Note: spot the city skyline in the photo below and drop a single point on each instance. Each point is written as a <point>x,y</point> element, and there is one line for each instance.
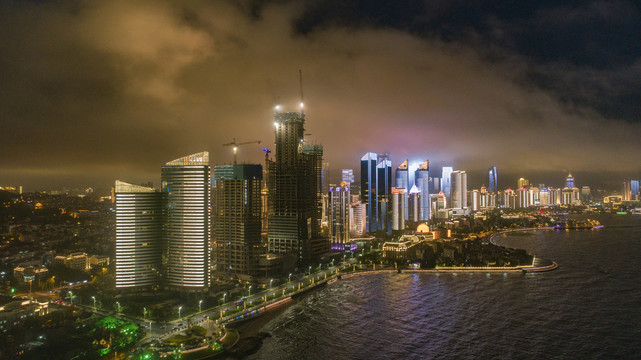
<point>85,92</point>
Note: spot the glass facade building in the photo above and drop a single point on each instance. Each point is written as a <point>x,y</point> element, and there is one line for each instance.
<point>421,178</point>
<point>186,184</point>
<point>139,220</point>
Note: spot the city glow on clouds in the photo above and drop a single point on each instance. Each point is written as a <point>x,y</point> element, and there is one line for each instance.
<point>94,91</point>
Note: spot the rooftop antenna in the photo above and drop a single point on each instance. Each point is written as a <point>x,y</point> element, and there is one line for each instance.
<point>300,78</point>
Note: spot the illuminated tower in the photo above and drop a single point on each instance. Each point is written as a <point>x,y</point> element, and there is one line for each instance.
<point>458,194</point>
<point>523,183</point>
<point>397,203</point>
<point>139,219</point>
<point>339,224</point>
<point>186,183</point>
<point>569,181</point>
<point>403,182</point>
<point>493,183</point>
<point>414,204</point>
<point>368,190</point>
<point>421,179</point>
<point>446,186</point>
<point>384,182</point>
<point>237,218</point>
<point>295,196</point>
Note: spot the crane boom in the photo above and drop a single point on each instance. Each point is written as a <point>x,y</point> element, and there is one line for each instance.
<point>236,145</point>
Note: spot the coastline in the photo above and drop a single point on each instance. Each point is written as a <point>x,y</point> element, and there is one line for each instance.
<point>250,331</point>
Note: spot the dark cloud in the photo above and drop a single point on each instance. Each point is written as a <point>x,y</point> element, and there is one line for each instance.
<point>94,91</point>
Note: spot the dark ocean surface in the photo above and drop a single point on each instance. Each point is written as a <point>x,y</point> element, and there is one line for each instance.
<point>589,308</point>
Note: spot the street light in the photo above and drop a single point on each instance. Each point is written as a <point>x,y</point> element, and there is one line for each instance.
<point>250,290</point>
<point>199,306</point>
<point>94,301</point>
<point>310,270</point>
<point>118,304</point>
<point>71,297</point>
<point>290,276</point>
<point>144,313</point>
<point>179,308</point>
<point>270,283</point>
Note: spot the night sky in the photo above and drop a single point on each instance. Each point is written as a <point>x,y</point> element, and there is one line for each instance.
<point>93,91</point>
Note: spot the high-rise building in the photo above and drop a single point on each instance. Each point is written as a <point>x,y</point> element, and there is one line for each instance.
<point>414,204</point>
<point>398,208</point>
<point>493,182</point>
<point>325,178</point>
<point>186,183</point>
<point>446,186</point>
<point>421,179</point>
<point>634,190</point>
<point>347,175</point>
<point>139,220</point>
<point>384,182</point>
<point>522,199</point>
<point>475,200</point>
<point>403,182</point>
<point>523,183</point>
<point>435,185</point>
<point>569,181</point>
<point>369,190</point>
<point>458,193</point>
<point>237,218</point>
<point>339,221</point>
<point>509,199</point>
<point>295,191</point>
<point>544,197</point>
<point>357,217</point>
<point>626,191</point>
<point>533,194</point>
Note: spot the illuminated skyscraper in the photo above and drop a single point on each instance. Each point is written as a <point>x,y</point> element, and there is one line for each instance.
<point>347,176</point>
<point>446,184</point>
<point>509,199</point>
<point>414,204</point>
<point>237,218</point>
<point>339,224</point>
<point>627,191</point>
<point>634,189</point>
<point>522,198</point>
<point>369,190</point>
<point>295,193</point>
<point>403,182</point>
<point>397,204</point>
<point>421,180</point>
<point>569,181</point>
<point>523,183</point>
<point>384,182</point>
<point>475,200</point>
<point>139,220</point>
<point>493,184</point>
<point>186,182</point>
<point>357,218</point>
<point>458,193</point>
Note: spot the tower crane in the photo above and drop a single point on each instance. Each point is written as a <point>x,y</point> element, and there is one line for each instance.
<point>236,145</point>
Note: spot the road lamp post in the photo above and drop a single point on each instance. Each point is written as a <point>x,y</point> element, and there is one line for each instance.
<point>270,283</point>
<point>250,290</point>
<point>310,270</point>
<point>179,308</point>
<point>290,277</point>
<point>144,313</point>
<point>71,297</point>
<point>118,305</point>
<point>94,301</point>
<point>200,306</point>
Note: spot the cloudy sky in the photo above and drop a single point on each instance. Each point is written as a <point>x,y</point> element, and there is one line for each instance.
<point>93,91</point>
